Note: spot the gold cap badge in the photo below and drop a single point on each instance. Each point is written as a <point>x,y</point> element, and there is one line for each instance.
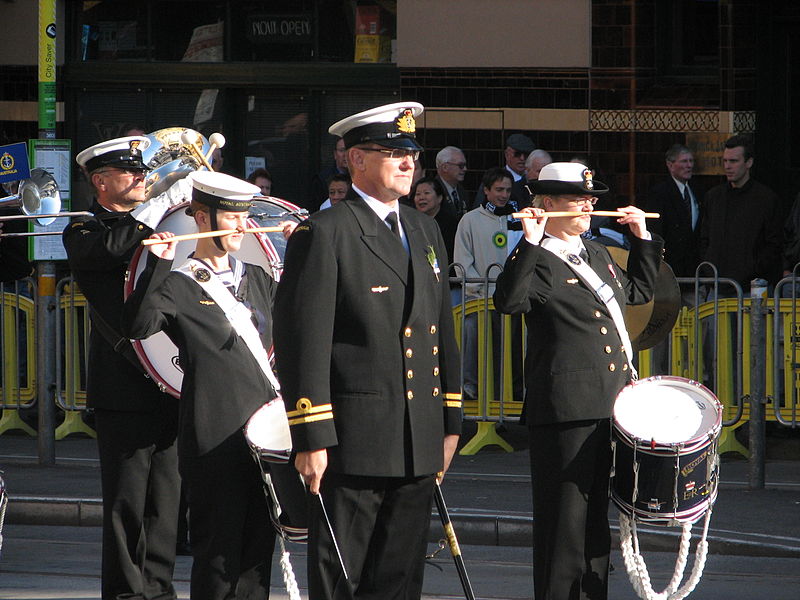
<point>406,123</point>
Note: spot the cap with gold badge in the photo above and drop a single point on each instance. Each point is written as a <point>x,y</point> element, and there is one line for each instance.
<point>391,125</point>
<point>121,153</point>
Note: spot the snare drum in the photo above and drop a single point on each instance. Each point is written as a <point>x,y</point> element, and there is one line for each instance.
<point>665,434</point>
<point>267,434</point>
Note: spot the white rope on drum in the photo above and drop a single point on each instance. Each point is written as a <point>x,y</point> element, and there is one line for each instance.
<point>289,579</point>
<point>637,569</point>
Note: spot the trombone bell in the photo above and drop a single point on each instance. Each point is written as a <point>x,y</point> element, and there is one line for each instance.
<point>37,195</point>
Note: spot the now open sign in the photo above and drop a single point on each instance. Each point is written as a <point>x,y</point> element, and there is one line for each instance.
<point>280,29</point>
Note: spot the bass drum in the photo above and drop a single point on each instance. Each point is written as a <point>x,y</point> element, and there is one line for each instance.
<point>158,354</point>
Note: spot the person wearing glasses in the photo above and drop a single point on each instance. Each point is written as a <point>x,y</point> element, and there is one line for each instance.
<point>451,167</point>
<point>368,364</point>
<point>578,359</point>
<point>136,423</point>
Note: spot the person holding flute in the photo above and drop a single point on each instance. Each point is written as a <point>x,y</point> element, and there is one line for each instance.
<point>578,358</point>
<point>209,307</point>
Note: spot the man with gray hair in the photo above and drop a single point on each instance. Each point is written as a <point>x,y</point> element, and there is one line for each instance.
<point>533,164</point>
<point>451,166</point>
<point>678,203</point>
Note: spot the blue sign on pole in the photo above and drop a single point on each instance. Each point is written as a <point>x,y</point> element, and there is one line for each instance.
<point>14,162</point>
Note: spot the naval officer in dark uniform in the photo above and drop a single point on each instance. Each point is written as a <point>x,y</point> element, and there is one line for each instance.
<point>578,358</point>
<point>369,367</point>
<point>136,423</point>
<point>226,380</point>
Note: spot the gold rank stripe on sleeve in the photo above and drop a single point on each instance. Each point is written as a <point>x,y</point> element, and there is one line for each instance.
<point>308,413</point>
<point>452,400</point>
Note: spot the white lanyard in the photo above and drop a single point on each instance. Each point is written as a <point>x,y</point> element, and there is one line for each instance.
<point>601,288</point>
<point>235,311</point>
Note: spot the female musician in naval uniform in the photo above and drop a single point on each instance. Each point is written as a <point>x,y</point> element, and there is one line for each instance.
<point>223,385</point>
<point>576,363</point>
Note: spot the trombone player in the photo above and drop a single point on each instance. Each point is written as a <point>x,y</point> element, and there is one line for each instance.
<point>136,423</point>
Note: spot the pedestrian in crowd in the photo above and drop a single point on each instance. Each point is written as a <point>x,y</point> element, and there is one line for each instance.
<point>217,311</point>
<point>136,423</point>
<point>482,240</point>
<point>365,347</point>
<point>533,165</point>
<point>791,237</point>
<point>518,148</point>
<point>338,189</point>
<point>740,232</point>
<point>319,185</point>
<point>428,195</point>
<point>679,206</point>
<point>262,179</point>
<point>578,359</point>
<point>451,167</point>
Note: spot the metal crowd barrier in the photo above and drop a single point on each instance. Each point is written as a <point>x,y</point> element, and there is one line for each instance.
<point>18,351</point>
<point>710,343</point>
<point>72,356</point>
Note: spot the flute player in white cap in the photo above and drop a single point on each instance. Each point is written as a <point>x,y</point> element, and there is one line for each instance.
<point>578,358</point>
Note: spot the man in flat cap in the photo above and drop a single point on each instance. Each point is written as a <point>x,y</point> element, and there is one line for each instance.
<point>369,367</point>
<point>579,356</point>
<point>218,312</point>
<point>136,423</point>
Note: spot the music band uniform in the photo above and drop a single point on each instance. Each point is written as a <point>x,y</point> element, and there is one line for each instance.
<point>223,385</point>
<point>135,422</point>
<point>369,369</point>
<point>574,367</point>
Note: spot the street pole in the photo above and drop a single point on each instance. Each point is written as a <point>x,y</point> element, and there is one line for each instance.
<point>46,270</point>
<point>758,371</point>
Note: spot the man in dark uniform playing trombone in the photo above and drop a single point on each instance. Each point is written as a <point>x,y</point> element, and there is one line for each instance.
<point>369,367</point>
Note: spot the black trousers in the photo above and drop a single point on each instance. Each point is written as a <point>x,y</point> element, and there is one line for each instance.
<point>570,466</point>
<point>231,535</point>
<point>141,487</point>
<point>381,525</point>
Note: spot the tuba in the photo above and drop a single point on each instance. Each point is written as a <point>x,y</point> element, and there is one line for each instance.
<point>174,153</point>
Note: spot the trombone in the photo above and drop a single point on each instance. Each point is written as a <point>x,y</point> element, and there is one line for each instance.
<point>38,198</point>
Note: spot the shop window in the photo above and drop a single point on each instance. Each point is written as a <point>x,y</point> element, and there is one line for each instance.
<point>236,30</point>
<point>687,37</point>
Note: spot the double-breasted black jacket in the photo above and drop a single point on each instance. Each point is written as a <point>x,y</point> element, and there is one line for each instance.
<point>575,364</point>
<point>364,342</point>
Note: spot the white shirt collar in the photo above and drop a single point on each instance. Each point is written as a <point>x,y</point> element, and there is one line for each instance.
<point>382,209</point>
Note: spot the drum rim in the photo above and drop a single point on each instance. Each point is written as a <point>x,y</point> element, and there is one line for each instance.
<point>710,434</point>
<point>267,248</point>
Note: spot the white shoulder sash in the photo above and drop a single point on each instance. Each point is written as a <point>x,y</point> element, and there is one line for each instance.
<point>601,288</point>
<point>235,311</point>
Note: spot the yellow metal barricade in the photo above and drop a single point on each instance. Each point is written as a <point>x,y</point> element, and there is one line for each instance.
<point>18,386</point>
<point>486,409</point>
<point>71,376</point>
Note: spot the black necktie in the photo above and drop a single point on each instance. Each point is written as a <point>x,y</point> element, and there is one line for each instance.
<point>391,219</point>
<point>687,199</point>
<point>456,202</point>
<point>584,255</point>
